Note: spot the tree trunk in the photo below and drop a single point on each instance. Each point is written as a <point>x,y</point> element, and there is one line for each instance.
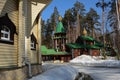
<point>118,29</point>
<point>93,35</point>
<point>68,32</point>
<point>103,23</point>
<point>78,25</point>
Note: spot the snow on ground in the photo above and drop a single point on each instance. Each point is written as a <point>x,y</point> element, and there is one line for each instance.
<point>66,72</point>
<point>57,72</point>
<point>108,69</point>
<point>100,73</point>
<point>87,60</point>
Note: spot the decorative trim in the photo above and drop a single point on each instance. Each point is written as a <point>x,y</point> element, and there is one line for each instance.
<point>7,41</point>
<point>5,20</point>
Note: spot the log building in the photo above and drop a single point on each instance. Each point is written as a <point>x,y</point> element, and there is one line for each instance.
<point>20,38</point>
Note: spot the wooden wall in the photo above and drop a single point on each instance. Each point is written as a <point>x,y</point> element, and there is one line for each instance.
<point>34,53</point>
<point>95,52</point>
<point>24,21</point>
<point>76,52</point>
<point>8,52</point>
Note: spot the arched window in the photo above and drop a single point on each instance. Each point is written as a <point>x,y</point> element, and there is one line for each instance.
<point>5,33</point>
<point>7,30</point>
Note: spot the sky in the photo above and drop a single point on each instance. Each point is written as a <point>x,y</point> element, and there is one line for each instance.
<point>63,5</point>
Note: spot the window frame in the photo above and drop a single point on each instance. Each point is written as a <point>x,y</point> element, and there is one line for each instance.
<point>33,42</point>
<point>33,45</point>
<point>5,33</point>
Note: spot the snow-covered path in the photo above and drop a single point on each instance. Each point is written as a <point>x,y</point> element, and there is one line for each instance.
<point>56,72</point>
<point>97,68</point>
<point>97,73</point>
<point>100,73</point>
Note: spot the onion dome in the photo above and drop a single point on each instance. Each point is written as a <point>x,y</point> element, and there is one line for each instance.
<point>84,32</point>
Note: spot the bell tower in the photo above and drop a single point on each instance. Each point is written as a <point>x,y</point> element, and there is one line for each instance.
<point>59,36</point>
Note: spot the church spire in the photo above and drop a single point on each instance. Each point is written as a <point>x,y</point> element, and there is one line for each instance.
<point>60,28</point>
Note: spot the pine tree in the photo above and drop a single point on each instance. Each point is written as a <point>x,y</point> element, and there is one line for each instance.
<point>78,11</point>
<point>92,19</point>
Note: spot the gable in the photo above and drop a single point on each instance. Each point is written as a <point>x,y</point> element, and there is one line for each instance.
<point>5,20</point>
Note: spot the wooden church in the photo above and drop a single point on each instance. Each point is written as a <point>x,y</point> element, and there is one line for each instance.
<point>64,51</point>
<point>58,53</point>
<point>84,45</point>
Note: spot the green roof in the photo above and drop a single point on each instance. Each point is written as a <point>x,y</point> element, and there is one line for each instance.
<point>46,51</point>
<point>88,38</point>
<point>98,44</point>
<point>43,49</point>
<point>60,28</point>
<point>77,46</point>
<point>92,47</point>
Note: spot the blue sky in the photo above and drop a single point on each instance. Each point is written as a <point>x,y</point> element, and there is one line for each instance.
<point>63,5</point>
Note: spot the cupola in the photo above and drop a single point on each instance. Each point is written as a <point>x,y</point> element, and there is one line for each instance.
<point>60,28</point>
<point>84,32</point>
